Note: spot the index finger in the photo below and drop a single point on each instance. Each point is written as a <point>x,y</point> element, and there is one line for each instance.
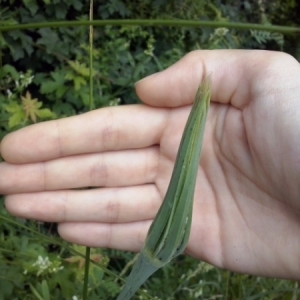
<point>237,76</point>
<point>111,128</point>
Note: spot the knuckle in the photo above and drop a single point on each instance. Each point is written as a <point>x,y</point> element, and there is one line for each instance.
<point>110,133</point>
<point>99,173</point>
<point>112,208</point>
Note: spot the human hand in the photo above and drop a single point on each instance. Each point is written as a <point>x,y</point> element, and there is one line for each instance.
<point>246,206</point>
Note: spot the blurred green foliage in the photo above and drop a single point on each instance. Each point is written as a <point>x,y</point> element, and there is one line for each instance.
<point>44,75</point>
<point>57,58</point>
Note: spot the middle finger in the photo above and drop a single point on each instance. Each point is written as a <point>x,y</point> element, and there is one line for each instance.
<point>120,168</point>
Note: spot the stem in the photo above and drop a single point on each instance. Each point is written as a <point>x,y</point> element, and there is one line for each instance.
<point>155,22</point>
<point>86,273</point>
<point>0,51</point>
<point>227,285</point>
<point>91,105</point>
<point>91,100</point>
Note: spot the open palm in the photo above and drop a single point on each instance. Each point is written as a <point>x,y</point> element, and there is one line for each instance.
<point>246,206</point>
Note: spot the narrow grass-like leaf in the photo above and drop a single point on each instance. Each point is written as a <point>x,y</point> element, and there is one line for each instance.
<point>35,292</point>
<point>170,230</point>
<point>155,22</point>
<point>45,290</point>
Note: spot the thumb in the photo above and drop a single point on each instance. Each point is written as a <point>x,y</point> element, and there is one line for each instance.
<point>233,73</point>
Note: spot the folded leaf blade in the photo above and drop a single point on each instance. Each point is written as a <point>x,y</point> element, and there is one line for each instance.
<point>170,230</point>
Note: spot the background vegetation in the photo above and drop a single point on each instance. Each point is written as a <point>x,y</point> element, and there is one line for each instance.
<point>44,75</point>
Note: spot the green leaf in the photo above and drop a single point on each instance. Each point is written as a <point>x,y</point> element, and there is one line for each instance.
<point>81,68</point>
<point>22,44</point>
<point>35,292</point>
<point>56,85</point>
<point>84,96</point>
<point>9,69</point>
<point>79,82</point>
<point>15,120</point>
<point>6,288</point>
<point>32,6</point>
<point>17,114</point>
<point>49,39</point>
<point>45,113</point>
<point>49,87</point>
<point>61,11</point>
<point>30,106</point>
<point>45,290</point>
<point>77,4</point>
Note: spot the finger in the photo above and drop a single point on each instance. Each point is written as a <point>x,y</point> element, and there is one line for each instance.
<point>107,205</point>
<point>113,128</point>
<point>120,168</point>
<point>235,76</point>
<point>127,236</point>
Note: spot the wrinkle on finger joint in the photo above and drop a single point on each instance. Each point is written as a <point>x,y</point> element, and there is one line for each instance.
<point>99,173</point>
<point>112,208</point>
<point>110,134</point>
<point>58,139</point>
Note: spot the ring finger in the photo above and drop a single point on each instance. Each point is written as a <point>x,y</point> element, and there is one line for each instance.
<point>104,205</point>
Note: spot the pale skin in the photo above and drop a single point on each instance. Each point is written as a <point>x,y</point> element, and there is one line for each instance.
<point>246,214</point>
